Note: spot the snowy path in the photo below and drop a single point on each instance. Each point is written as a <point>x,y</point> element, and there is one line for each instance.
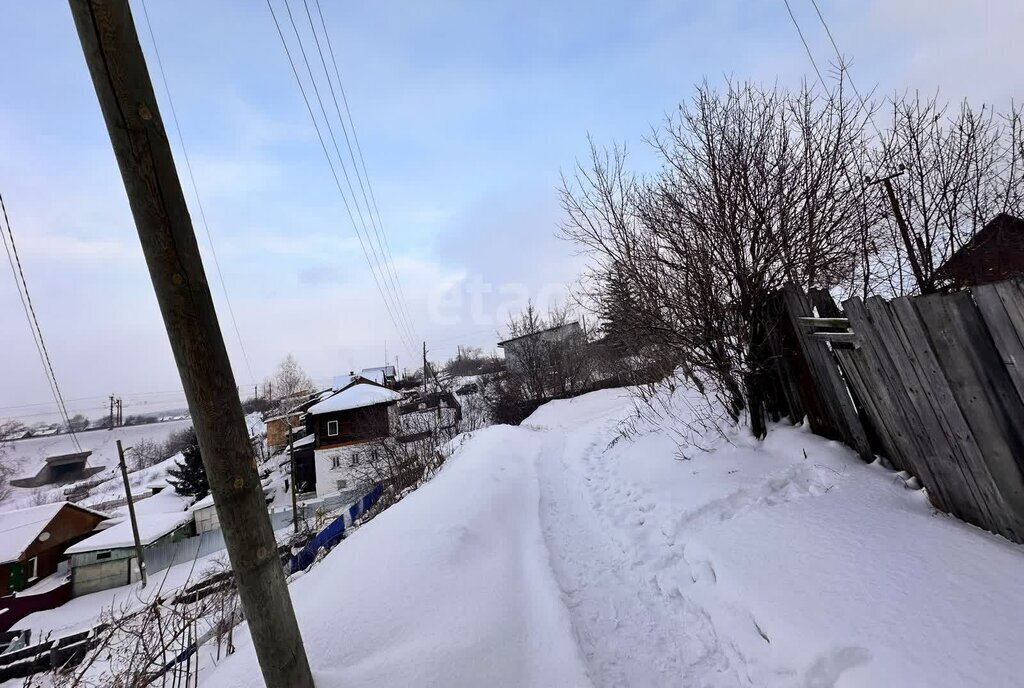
<point>542,556</point>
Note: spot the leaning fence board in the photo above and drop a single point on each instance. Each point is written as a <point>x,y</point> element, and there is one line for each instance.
<point>990,404</point>
<point>842,420</point>
<point>1002,306</point>
<point>895,418</point>
<point>951,452</point>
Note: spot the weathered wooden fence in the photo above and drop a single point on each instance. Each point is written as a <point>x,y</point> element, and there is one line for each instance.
<point>933,383</point>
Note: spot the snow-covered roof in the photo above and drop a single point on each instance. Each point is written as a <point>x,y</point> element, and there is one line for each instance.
<point>202,503</point>
<point>356,396</point>
<point>378,374</point>
<point>152,527</point>
<point>19,529</point>
<point>343,381</point>
<point>305,441</point>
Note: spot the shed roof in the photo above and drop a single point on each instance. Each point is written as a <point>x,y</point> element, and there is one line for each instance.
<point>19,529</point>
<point>152,527</point>
<point>568,325</point>
<point>356,396</point>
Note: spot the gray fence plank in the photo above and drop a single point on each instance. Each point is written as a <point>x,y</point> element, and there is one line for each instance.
<point>952,455</point>
<point>986,396</point>
<point>841,414</point>
<point>1002,306</point>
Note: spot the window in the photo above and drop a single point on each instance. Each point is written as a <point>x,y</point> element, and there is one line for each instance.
<point>335,461</point>
<point>354,459</point>
<point>30,568</point>
<point>102,555</point>
<point>332,428</point>
<point>342,484</point>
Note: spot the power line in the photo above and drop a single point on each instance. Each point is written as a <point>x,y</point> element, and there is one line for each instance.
<point>399,306</point>
<point>807,48</point>
<point>30,314</point>
<point>379,226</point>
<point>337,181</point>
<point>195,190</point>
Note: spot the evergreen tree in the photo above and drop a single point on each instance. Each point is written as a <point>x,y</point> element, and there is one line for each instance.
<point>189,475</point>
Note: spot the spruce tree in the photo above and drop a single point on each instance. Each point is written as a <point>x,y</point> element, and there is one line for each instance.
<point>189,475</point>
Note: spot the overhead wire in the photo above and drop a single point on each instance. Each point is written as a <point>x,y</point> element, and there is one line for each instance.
<point>845,68</point>
<point>330,130</point>
<point>33,321</point>
<point>195,191</point>
<point>379,225</point>
<point>403,334</point>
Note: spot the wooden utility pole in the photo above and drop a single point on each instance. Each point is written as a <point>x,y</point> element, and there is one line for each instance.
<point>915,264</point>
<point>125,92</point>
<point>111,411</point>
<point>291,460</point>
<point>424,367</point>
<point>131,514</point>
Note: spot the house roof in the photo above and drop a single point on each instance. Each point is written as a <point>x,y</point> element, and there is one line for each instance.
<point>342,381</point>
<point>152,527</point>
<point>19,529</point>
<point>307,440</point>
<point>379,374</point>
<point>569,325</point>
<point>356,396</point>
<point>995,252</point>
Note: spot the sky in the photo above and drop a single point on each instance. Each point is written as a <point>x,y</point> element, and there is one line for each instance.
<point>467,114</point>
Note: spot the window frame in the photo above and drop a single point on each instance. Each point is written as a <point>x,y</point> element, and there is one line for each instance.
<point>31,569</point>
<point>337,428</point>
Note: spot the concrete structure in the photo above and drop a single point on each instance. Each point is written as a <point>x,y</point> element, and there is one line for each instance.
<point>33,541</point>
<point>60,469</point>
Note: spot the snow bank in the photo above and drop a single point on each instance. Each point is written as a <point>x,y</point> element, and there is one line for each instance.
<point>450,587</point>
<point>784,563</point>
<point>561,554</point>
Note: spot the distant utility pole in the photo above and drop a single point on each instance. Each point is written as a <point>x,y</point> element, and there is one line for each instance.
<point>111,412</point>
<point>424,367</point>
<point>120,414</point>
<point>125,92</point>
<point>131,514</point>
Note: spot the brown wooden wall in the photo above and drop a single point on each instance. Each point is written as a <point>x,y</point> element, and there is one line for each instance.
<point>355,425</point>
<point>938,384</point>
<point>69,526</point>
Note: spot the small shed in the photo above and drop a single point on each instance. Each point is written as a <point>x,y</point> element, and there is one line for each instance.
<point>34,541</point>
<point>995,253</point>
<point>107,559</point>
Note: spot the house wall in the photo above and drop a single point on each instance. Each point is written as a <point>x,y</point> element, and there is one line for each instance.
<point>277,430</point>
<point>362,429</point>
<point>354,425</point>
<point>69,526</point>
<point>206,519</point>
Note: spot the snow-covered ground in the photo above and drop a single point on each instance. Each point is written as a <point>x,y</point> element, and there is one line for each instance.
<point>27,456</point>
<point>542,556</point>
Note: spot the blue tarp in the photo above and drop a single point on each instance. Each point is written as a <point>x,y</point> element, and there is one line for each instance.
<point>333,533</point>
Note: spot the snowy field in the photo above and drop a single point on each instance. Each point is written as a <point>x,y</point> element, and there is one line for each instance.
<point>540,556</point>
<point>25,457</point>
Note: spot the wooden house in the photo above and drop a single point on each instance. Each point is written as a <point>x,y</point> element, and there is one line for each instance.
<point>344,426</point>
<point>35,541</point>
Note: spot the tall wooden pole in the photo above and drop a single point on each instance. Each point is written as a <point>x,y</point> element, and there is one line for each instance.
<point>131,514</point>
<point>125,92</point>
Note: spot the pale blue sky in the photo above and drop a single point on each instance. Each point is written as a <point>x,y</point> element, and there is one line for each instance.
<point>467,113</point>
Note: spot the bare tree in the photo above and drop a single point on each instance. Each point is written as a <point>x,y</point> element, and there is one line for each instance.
<point>290,378</point>
<point>950,173</point>
<point>759,188</point>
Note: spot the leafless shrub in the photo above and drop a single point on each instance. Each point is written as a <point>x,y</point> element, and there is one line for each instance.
<point>759,188</point>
